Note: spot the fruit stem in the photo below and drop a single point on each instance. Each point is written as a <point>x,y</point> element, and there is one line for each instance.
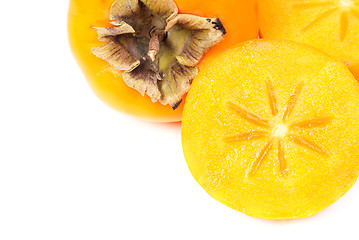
<point>154,45</point>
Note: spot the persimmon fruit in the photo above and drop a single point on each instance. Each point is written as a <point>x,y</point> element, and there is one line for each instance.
<point>103,34</point>
<point>329,25</point>
<point>270,128</point>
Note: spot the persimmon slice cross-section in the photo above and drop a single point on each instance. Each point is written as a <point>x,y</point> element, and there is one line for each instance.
<point>329,25</point>
<point>270,128</point>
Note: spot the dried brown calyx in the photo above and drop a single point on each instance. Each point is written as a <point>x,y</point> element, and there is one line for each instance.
<point>157,48</point>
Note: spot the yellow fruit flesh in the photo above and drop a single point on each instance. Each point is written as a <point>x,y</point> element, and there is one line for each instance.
<point>329,25</point>
<point>270,128</point>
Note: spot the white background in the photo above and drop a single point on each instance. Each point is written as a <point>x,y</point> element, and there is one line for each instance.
<point>72,168</point>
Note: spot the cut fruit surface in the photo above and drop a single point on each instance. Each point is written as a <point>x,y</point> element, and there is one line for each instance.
<point>329,25</point>
<point>270,128</point>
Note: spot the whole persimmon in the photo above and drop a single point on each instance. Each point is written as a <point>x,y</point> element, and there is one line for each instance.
<point>140,56</point>
<point>270,128</point>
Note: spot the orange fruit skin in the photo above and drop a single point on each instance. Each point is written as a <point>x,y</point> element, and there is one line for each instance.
<point>331,26</point>
<point>239,18</point>
<point>108,84</point>
<point>270,128</point>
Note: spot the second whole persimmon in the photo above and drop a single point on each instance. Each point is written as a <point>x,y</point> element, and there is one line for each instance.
<point>91,23</point>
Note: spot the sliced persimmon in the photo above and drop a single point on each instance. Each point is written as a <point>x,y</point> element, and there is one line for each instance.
<point>270,128</point>
<point>329,25</point>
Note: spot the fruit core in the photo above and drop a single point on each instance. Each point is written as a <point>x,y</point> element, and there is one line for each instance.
<point>346,3</point>
<point>280,130</point>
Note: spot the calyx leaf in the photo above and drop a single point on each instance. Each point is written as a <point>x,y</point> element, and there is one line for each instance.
<point>157,48</point>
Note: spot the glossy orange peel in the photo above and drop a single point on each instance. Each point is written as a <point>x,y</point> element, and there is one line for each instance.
<point>107,81</point>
